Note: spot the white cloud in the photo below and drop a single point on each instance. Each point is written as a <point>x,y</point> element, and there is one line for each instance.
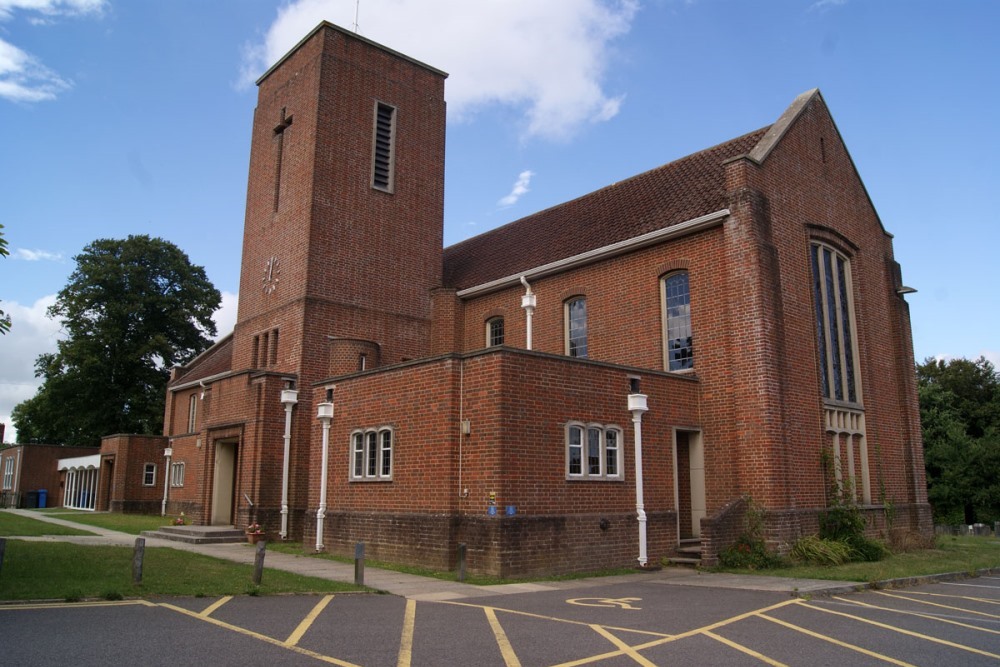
<point>546,59</point>
<point>225,316</point>
<point>24,78</point>
<point>36,255</point>
<point>519,190</point>
<point>31,334</point>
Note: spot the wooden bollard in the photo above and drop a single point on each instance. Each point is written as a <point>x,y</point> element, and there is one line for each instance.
<point>359,564</point>
<point>258,562</point>
<point>137,555</point>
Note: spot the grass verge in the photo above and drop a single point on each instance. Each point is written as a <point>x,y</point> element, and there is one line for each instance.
<point>951,554</point>
<point>47,570</point>
<point>16,524</point>
<point>133,524</point>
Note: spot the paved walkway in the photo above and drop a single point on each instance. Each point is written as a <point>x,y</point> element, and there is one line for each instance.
<point>427,588</point>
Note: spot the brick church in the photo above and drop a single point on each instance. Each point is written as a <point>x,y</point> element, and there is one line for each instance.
<point>595,385</point>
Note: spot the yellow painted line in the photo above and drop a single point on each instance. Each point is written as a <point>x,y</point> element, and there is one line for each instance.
<point>257,635</point>
<point>938,604</point>
<point>743,649</point>
<point>307,622</point>
<point>625,648</point>
<point>929,617</point>
<point>909,633</point>
<point>546,618</point>
<point>72,605</point>
<point>506,650</point>
<point>406,641</point>
<point>215,605</point>
<point>837,642</point>
<point>942,595</point>
<point>666,639</point>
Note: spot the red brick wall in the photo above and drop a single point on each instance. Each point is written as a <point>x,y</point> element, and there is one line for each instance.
<point>36,467</point>
<point>130,454</point>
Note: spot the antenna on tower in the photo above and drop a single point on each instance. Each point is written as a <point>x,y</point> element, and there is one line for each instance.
<point>357,7</point>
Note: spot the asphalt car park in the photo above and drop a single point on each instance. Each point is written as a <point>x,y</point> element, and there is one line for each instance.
<point>650,622</point>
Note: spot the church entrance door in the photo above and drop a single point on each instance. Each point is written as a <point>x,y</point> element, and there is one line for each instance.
<point>224,482</point>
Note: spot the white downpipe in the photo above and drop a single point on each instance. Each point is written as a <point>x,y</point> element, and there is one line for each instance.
<point>289,397</point>
<point>167,453</point>
<point>637,406</point>
<point>528,303</point>
<point>325,414</point>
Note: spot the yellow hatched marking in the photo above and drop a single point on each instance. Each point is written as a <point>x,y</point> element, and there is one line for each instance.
<point>406,641</point>
<point>938,604</point>
<point>942,595</point>
<point>506,650</point>
<point>625,648</point>
<point>307,622</point>
<point>909,633</point>
<point>743,649</point>
<point>215,605</point>
<point>74,605</point>
<point>837,642</point>
<point>666,639</point>
<point>257,635</point>
<point>550,618</point>
<point>929,617</point>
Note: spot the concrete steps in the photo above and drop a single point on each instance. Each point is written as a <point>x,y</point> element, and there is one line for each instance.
<point>687,553</point>
<point>198,534</point>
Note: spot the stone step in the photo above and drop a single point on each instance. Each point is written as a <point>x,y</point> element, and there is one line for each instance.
<point>686,562</point>
<point>198,534</point>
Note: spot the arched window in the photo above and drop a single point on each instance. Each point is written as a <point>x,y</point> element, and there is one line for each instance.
<point>593,451</point>
<point>494,331</point>
<point>677,339</point>
<point>834,310</point>
<point>576,327</point>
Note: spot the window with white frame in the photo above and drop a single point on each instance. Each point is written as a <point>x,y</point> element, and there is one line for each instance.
<point>8,473</point>
<point>177,474</point>
<point>494,331</point>
<point>593,451</point>
<point>835,331</point>
<point>679,350</point>
<point>371,454</point>
<point>149,474</point>
<point>576,327</point>
<point>193,413</point>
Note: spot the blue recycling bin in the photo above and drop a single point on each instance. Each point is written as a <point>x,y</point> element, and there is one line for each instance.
<point>43,494</point>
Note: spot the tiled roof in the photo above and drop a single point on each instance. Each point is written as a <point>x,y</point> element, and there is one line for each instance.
<point>676,192</point>
<point>216,359</point>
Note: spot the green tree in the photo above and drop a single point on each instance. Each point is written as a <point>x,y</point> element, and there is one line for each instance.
<point>960,418</point>
<point>132,309</point>
<point>4,317</point>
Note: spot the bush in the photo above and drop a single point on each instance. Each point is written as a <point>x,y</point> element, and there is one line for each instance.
<point>749,554</point>
<point>819,551</point>
<point>866,550</point>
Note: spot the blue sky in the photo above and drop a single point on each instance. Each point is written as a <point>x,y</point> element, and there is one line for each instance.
<point>123,117</point>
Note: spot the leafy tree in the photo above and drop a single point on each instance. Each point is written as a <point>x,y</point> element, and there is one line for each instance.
<point>4,318</point>
<point>960,418</point>
<point>132,309</point>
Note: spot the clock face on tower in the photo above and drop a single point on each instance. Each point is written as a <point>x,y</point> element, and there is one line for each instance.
<point>271,271</point>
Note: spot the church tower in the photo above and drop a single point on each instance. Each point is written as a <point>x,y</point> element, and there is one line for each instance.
<point>344,215</point>
<point>343,237</point>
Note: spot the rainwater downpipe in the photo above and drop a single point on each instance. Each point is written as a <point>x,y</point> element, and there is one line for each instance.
<point>637,406</point>
<point>168,452</point>
<point>528,303</point>
<point>325,415</point>
<point>289,397</point>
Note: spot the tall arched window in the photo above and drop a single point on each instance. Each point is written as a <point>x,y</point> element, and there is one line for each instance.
<point>576,327</point>
<point>677,339</point>
<point>835,339</point>
<point>494,331</point>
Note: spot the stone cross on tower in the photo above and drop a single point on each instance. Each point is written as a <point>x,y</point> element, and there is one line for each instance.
<point>279,133</point>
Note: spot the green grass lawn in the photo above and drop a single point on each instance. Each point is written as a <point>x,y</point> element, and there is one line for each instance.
<point>58,570</point>
<point>951,554</point>
<point>132,524</point>
<point>16,524</point>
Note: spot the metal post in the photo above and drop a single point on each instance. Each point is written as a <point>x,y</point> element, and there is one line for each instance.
<point>137,555</point>
<point>359,564</point>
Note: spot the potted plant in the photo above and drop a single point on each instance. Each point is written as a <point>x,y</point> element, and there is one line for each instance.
<point>181,520</point>
<point>255,533</point>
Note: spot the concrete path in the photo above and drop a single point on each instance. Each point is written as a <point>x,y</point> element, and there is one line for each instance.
<point>427,588</point>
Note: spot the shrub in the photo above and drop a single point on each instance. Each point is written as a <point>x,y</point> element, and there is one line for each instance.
<point>819,551</point>
<point>749,554</point>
